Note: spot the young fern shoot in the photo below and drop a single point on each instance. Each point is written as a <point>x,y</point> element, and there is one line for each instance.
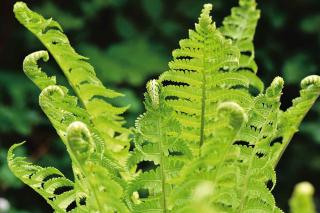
<point>209,140</point>
<point>302,199</point>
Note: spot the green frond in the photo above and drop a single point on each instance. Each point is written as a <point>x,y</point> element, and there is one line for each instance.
<point>105,194</point>
<point>240,27</point>
<point>205,19</point>
<point>217,165</point>
<point>292,117</point>
<point>49,182</point>
<point>81,76</point>
<point>302,199</point>
<point>197,80</point>
<point>80,141</point>
<point>251,193</point>
<point>63,109</point>
<point>31,69</point>
<point>156,139</point>
<point>71,122</point>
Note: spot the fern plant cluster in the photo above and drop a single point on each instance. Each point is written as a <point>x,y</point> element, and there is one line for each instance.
<point>209,140</point>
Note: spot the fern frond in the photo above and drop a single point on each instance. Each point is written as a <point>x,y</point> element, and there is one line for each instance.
<point>65,113</point>
<point>82,78</point>
<point>291,119</point>
<point>302,199</point>
<point>49,182</point>
<point>196,78</point>
<point>217,166</point>
<point>50,91</point>
<point>240,27</point>
<point>34,72</point>
<point>156,140</point>
<point>256,166</point>
<point>59,114</point>
<point>63,109</point>
<point>104,193</point>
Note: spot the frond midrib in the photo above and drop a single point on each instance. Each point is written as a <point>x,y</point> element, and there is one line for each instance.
<point>162,165</point>
<point>203,109</point>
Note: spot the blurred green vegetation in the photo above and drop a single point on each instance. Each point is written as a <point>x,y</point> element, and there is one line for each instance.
<point>129,42</point>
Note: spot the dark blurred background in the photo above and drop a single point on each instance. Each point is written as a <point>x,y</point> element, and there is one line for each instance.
<point>129,42</point>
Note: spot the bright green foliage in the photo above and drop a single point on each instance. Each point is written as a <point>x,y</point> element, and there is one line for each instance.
<point>291,119</point>
<point>240,28</point>
<point>156,140</point>
<point>205,71</point>
<point>81,77</point>
<point>45,181</point>
<point>302,199</point>
<point>209,141</point>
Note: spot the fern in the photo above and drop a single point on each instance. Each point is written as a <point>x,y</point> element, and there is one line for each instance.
<point>291,119</point>
<point>48,182</point>
<point>64,114</point>
<point>80,75</point>
<point>211,135</point>
<point>302,199</point>
<point>157,140</point>
<point>240,27</point>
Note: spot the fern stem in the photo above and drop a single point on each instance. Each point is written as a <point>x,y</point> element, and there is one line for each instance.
<point>203,109</point>
<point>162,165</point>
